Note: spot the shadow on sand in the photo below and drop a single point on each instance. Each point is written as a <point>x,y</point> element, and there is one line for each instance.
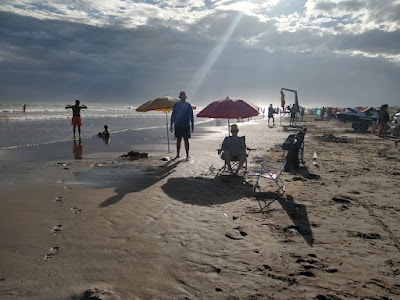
<point>297,212</point>
<point>136,183</point>
<point>206,191</point>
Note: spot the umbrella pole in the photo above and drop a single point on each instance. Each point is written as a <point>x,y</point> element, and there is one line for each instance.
<point>166,119</point>
<point>229,132</point>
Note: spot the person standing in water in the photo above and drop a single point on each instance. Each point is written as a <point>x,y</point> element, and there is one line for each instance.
<point>76,115</point>
<point>24,108</point>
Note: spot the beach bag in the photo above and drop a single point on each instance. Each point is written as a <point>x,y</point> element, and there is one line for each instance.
<point>290,140</point>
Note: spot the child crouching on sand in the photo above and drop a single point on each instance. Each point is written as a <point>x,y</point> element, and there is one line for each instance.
<point>105,135</point>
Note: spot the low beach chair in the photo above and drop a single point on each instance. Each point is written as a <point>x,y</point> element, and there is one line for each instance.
<point>234,162</point>
<point>271,170</point>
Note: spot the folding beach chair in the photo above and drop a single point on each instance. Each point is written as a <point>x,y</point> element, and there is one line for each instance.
<point>270,170</point>
<point>234,161</point>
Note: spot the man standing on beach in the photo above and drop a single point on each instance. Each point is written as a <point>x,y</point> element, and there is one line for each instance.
<point>271,113</point>
<point>383,120</point>
<point>76,115</point>
<point>181,120</point>
<point>293,111</point>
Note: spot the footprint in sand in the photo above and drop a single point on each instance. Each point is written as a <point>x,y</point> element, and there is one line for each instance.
<point>76,210</point>
<point>97,293</point>
<point>56,229</point>
<point>58,199</point>
<point>52,252</point>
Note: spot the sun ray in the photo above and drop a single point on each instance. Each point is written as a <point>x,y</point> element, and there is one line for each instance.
<point>201,74</point>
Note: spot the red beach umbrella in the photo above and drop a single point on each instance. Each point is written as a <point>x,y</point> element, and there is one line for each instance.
<point>229,108</point>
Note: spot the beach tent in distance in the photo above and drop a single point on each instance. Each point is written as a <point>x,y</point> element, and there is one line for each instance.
<point>229,108</point>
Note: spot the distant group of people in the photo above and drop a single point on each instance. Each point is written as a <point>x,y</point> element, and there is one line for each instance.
<point>233,147</point>
<point>293,110</point>
<point>182,122</point>
<point>76,122</point>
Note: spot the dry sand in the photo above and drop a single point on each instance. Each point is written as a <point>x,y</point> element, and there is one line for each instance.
<point>181,231</point>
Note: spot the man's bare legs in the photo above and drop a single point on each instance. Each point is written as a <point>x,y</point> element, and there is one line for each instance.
<point>241,163</point>
<point>186,147</point>
<point>79,130</point>
<point>228,158</point>
<point>178,147</point>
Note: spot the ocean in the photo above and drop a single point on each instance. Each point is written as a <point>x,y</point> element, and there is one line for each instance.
<point>50,123</point>
<point>44,134</point>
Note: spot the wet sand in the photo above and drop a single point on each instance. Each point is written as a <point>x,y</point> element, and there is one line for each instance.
<point>150,229</point>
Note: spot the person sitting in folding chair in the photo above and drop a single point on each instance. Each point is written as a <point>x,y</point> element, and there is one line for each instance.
<point>234,149</point>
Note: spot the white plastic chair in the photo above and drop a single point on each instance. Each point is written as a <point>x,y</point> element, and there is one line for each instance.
<point>270,170</point>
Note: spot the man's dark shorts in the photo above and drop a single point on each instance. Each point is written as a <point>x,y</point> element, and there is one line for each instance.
<point>182,132</point>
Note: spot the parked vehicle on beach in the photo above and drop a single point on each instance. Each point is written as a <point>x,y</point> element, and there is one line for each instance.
<point>360,119</point>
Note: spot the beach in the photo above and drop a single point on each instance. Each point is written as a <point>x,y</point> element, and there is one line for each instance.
<point>107,227</point>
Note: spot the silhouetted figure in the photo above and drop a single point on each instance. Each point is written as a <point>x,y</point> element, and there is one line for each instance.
<point>181,120</point>
<point>76,115</point>
<point>271,113</point>
<point>293,111</point>
<point>383,120</point>
<point>283,100</point>
<point>105,135</point>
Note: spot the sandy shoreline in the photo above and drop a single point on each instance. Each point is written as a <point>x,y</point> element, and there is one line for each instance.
<point>176,231</point>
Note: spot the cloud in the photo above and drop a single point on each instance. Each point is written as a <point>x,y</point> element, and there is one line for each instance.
<point>135,50</point>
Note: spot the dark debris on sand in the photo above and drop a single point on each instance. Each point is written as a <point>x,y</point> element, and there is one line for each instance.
<point>333,139</point>
<point>135,155</point>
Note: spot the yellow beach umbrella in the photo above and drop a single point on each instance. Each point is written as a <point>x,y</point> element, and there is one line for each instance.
<point>163,104</point>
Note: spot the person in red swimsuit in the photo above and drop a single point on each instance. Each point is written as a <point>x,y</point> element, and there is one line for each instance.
<point>76,115</point>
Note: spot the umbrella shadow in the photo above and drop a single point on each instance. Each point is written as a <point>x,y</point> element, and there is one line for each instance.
<point>206,191</point>
<point>134,184</point>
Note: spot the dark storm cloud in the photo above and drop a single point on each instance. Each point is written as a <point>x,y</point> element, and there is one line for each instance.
<point>59,61</point>
<point>97,62</point>
<point>374,41</point>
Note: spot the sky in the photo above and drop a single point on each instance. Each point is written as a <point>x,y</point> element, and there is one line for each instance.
<point>333,53</point>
